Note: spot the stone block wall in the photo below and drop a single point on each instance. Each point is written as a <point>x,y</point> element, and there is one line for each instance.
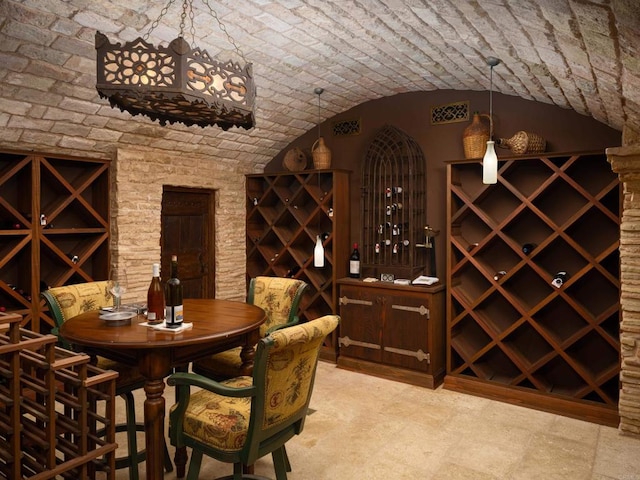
<point>138,176</point>
<point>625,161</point>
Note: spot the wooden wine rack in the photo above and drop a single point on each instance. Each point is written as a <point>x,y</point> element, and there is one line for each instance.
<point>285,213</point>
<point>519,338</point>
<point>73,196</point>
<point>52,426</point>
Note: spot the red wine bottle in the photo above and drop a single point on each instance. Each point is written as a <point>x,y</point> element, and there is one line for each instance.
<point>155,298</point>
<point>354,262</point>
<point>173,296</point>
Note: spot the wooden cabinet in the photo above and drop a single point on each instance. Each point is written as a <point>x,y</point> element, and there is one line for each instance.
<point>285,214</point>
<point>393,331</point>
<point>54,228</point>
<point>511,333</point>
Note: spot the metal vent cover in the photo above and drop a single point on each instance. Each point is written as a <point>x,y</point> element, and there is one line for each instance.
<point>450,113</point>
<point>346,128</point>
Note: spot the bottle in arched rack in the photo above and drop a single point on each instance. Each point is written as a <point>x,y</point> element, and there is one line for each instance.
<point>354,262</point>
<point>173,296</point>
<point>155,298</point>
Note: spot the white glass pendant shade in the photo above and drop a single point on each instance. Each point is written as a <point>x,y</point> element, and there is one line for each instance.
<point>318,253</point>
<point>490,164</point>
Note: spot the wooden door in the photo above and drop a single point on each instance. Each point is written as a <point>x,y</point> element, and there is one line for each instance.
<point>188,231</point>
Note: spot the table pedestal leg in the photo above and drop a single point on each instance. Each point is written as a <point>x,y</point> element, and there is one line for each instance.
<point>154,428</point>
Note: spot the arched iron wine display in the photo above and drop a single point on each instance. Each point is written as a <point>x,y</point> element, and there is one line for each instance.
<point>394,204</point>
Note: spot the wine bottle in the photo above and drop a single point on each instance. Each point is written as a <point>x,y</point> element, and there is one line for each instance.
<point>155,298</point>
<point>559,279</point>
<point>499,275</point>
<point>173,296</point>
<point>527,248</point>
<point>354,262</point>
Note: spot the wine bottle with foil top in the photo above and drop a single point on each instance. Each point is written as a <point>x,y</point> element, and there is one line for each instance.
<point>173,296</point>
<point>354,262</point>
<point>155,297</point>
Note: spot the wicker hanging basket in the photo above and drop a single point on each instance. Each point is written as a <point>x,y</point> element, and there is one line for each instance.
<point>295,160</point>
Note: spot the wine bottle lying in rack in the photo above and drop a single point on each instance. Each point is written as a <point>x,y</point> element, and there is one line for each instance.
<point>559,279</point>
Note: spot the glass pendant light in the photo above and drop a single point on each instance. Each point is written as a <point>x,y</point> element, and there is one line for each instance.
<point>490,160</point>
<point>318,253</point>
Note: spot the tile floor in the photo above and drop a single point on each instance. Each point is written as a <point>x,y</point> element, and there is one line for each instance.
<point>369,428</point>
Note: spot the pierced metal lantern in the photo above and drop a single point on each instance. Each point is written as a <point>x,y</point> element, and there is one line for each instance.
<point>176,83</point>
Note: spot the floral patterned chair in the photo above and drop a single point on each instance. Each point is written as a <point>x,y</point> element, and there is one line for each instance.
<point>71,300</point>
<point>242,419</point>
<point>279,298</point>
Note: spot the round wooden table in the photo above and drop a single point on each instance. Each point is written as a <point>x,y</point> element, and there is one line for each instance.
<point>217,326</point>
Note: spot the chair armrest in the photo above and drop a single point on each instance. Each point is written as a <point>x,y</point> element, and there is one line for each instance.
<point>183,379</point>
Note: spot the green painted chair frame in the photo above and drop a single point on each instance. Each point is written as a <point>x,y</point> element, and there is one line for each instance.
<point>287,358</point>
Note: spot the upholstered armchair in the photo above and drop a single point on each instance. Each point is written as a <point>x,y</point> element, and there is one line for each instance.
<point>280,299</point>
<point>242,419</point>
<point>71,300</point>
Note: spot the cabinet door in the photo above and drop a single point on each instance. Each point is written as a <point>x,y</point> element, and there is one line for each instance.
<point>406,333</point>
<point>360,325</point>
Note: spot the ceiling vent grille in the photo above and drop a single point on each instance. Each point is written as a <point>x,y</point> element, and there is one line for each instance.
<point>450,113</point>
<point>346,128</point>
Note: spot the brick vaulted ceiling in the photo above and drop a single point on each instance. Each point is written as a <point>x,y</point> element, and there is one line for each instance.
<point>578,54</point>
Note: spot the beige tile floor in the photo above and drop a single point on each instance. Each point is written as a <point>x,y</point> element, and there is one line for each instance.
<point>369,428</point>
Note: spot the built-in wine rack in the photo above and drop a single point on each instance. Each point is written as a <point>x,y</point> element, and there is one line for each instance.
<point>515,332</point>
<point>54,228</point>
<point>285,214</point>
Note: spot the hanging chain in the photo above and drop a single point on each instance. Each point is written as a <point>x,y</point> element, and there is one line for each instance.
<point>224,30</point>
<point>187,12</point>
<point>155,23</point>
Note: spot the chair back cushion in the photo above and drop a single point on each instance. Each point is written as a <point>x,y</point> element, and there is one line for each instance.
<point>291,366</point>
<point>278,297</point>
<point>71,300</point>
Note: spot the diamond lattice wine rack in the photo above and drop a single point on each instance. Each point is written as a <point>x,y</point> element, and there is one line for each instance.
<point>54,228</point>
<point>519,329</point>
<point>285,213</point>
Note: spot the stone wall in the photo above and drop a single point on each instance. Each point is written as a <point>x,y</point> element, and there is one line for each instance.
<point>136,198</point>
<point>625,161</point>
